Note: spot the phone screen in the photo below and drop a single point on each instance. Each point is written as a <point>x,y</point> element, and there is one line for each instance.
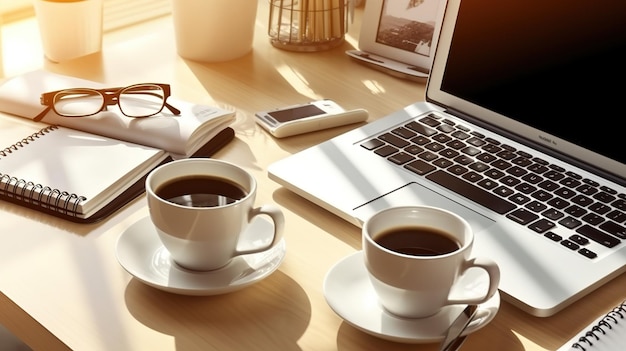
<point>296,113</point>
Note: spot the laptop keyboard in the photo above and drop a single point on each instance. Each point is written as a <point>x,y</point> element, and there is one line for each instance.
<point>524,188</point>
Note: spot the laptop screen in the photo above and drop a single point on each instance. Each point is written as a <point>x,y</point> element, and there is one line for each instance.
<point>551,71</point>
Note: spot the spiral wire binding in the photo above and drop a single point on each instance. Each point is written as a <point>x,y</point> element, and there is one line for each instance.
<point>37,194</point>
<point>614,317</point>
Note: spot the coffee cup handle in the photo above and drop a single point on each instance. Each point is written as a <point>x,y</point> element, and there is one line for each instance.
<point>277,217</point>
<point>492,270</point>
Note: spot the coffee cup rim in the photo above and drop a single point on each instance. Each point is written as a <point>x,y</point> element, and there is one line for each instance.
<point>465,245</point>
<point>249,192</point>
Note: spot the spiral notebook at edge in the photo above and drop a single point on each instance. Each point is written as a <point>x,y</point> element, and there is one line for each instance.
<point>79,176</point>
<point>607,333</point>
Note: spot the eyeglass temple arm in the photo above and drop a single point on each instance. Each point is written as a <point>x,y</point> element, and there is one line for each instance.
<point>42,114</point>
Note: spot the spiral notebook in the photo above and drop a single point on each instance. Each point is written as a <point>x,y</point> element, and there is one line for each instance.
<point>79,176</point>
<point>70,173</point>
<point>607,333</point>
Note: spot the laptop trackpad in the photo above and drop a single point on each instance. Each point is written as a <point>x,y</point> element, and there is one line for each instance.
<point>413,194</point>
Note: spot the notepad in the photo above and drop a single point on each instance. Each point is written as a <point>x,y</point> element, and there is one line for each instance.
<point>72,174</point>
<point>607,333</point>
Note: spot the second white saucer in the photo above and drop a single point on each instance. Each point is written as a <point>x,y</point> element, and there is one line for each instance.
<point>350,294</point>
<point>141,253</point>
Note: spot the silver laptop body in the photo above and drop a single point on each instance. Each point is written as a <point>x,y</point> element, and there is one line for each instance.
<point>539,85</point>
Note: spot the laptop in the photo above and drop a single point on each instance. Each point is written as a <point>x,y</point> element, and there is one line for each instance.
<point>519,133</point>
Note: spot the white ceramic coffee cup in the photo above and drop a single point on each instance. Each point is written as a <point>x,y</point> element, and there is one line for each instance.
<point>207,238</point>
<point>69,28</point>
<point>214,30</point>
<point>414,286</point>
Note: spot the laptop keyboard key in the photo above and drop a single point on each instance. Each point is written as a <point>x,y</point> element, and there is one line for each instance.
<point>565,193</point>
<point>420,140</point>
<point>598,236</point>
<point>570,222</point>
<point>536,206</point>
<point>558,203</point>
<point>428,120</point>
<point>519,199</point>
<point>570,244</point>
<point>580,240</point>
<point>570,182</point>
<point>522,216</point>
<point>592,219</point>
<point>604,197</point>
<point>404,133</point>
<point>472,192</point>
<point>617,216</point>
<point>582,200</point>
<point>488,184</point>
<point>575,211</point>
<point>386,151</point>
<point>372,144</point>
<point>587,189</point>
<point>442,163</point>
<point>587,253</point>
<point>401,158</point>
<point>394,140</point>
<point>620,204</point>
<point>541,226</point>
<point>420,167</point>
<point>472,177</point>
<point>614,228</point>
<point>422,129</point>
<point>479,166</point>
<point>413,149</point>
<point>428,156</point>
<point>537,167</point>
<point>552,214</point>
<point>599,208</point>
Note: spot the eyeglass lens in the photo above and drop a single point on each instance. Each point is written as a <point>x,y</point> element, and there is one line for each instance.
<point>78,102</point>
<point>141,100</point>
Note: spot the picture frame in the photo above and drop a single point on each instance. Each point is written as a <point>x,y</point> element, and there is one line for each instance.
<point>400,36</point>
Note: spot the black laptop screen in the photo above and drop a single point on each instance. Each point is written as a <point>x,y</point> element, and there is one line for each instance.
<point>555,65</point>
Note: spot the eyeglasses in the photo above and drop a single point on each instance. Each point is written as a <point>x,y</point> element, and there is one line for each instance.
<point>136,101</point>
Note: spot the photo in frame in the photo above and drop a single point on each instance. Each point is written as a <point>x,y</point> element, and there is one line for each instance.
<point>399,36</point>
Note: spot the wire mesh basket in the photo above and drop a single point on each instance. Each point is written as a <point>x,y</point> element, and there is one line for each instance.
<point>307,25</point>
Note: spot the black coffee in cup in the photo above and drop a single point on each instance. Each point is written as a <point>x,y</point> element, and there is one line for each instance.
<point>418,241</point>
<point>200,191</point>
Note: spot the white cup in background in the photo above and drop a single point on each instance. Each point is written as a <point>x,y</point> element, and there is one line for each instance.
<point>415,255</point>
<point>200,230</point>
<point>69,28</point>
<point>214,30</point>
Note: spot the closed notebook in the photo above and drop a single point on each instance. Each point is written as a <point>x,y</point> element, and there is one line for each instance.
<point>73,174</point>
<point>607,333</point>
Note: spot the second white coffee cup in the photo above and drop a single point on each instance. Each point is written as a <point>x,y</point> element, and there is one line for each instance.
<point>415,256</point>
<point>201,207</point>
<point>214,30</point>
<point>69,28</point>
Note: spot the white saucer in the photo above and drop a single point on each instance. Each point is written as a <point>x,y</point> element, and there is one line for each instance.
<point>140,251</point>
<point>349,293</point>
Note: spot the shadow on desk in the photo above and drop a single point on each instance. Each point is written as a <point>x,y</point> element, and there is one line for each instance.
<point>8,341</point>
<point>277,303</point>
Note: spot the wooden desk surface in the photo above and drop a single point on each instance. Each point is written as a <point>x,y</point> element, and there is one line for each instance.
<point>62,287</point>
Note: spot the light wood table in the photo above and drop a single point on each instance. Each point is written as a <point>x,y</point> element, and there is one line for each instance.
<point>62,287</point>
